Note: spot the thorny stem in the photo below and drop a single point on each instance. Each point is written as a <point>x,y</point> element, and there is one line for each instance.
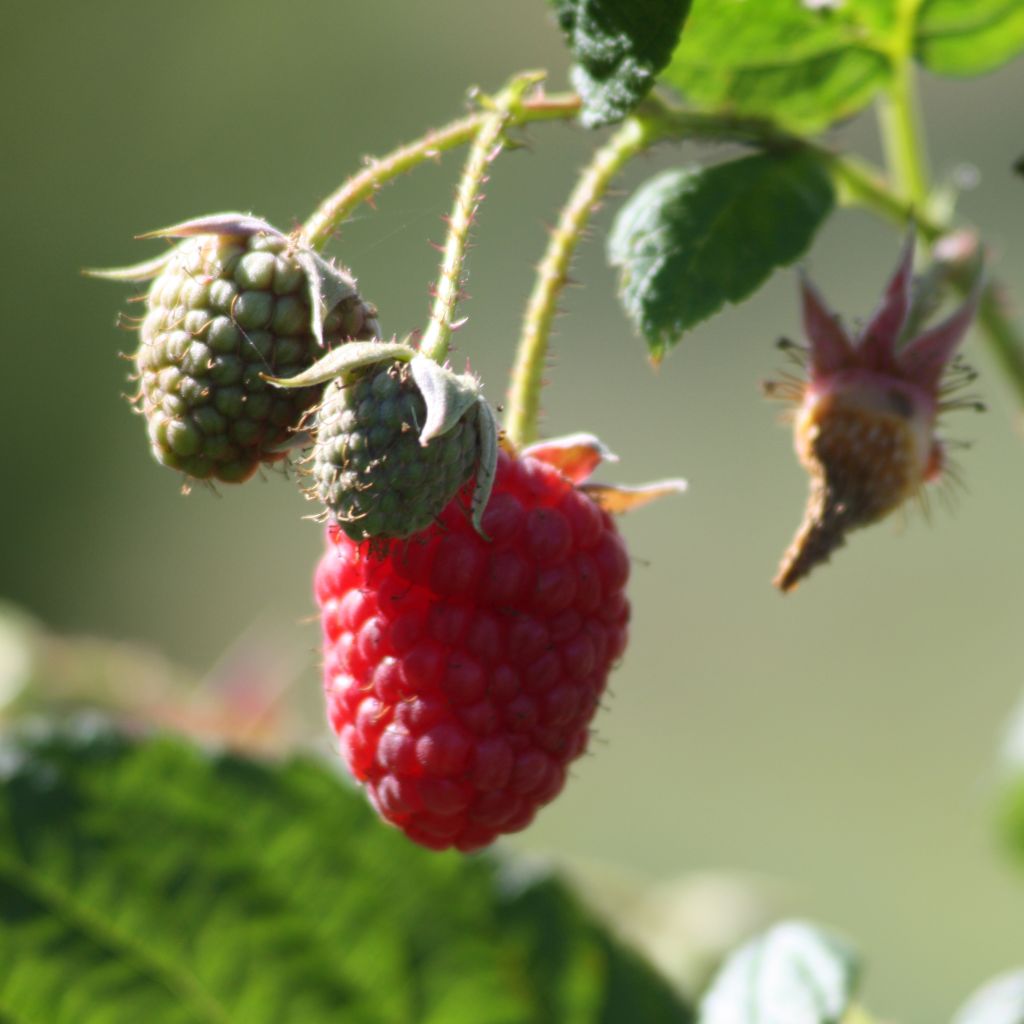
<point>485,148</point>
<point>361,187</point>
<point>860,183</point>
<point>523,411</point>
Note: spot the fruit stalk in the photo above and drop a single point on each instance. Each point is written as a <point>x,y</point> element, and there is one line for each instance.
<point>361,187</point>
<point>899,116</point>
<point>633,137</point>
<point>485,148</point>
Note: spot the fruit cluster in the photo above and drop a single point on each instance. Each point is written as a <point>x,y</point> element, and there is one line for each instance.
<point>472,597</point>
<point>225,311</point>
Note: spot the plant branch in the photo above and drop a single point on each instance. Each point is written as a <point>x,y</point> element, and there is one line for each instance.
<point>860,184</point>
<point>361,187</point>
<point>485,148</point>
<point>523,412</point>
<point>899,113</point>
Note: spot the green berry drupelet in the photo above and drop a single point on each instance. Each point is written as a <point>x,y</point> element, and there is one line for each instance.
<point>372,473</point>
<point>224,311</point>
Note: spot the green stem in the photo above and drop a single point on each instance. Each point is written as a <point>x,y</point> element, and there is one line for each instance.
<point>867,188</point>
<point>338,206</point>
<point>861,184</point>
<point>485,148</point>
<point>1003,337</point>
<point>523,410</point>
<point>899,113</point>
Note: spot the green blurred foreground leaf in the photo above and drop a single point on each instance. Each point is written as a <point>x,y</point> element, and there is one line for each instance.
<point>1000,1001</point>
<point>1011,791</point>
<point>149,881</point>
<point>693,238</point>
<point>793,972</point>
<point>619,47</point>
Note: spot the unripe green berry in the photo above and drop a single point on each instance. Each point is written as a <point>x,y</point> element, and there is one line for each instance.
<point>225,311</point>
<point>371,471</point>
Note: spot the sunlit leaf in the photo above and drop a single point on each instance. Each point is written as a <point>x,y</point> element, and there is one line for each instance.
<point>804,65</point>
<point>969,37</point>
<point>693,238</point>
<point>795,972</point>
<point>1000,1001</point>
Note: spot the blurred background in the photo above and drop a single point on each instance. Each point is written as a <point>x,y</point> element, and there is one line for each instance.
<point>838,744</point>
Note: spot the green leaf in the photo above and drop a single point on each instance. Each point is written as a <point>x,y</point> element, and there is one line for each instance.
<point>150,881</point>
<point>694,238</point>
<point>1000,1001</point>
<point>969,37</point>
<point>794,972</point>
<point>802,66</point>
<point>619,48</point>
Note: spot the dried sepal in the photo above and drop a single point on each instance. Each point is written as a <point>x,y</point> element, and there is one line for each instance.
<point>575,455</point>
<point>616,498</point>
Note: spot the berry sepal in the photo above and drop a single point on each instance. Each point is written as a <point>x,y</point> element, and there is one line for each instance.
<point>397,436</point>
<point>328,286</point>
<point>576,456</point>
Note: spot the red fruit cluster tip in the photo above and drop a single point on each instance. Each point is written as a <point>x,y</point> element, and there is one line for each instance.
<point>462,673</point>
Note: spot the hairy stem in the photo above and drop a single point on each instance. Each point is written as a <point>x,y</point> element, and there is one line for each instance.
<point>338,206</point>
<point>485,148</point>
<point>867,188</point>
<point>523,411</point>
<point>899,113</point>
<point>860,183</point>
<point>1004,339</point>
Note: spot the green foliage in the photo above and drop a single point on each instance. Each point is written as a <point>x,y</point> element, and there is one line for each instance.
<point>794,971</point>
<point>153,882</point>
<point>619,48</point>
<point>1012,793</point>
<point>1000,1001</point>
<point>807,67</point>
<point>694,238</point>
<point>803,68</point>
<point>969,37</point>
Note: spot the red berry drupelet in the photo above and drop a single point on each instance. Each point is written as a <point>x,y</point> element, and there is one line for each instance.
<point>462,672</point>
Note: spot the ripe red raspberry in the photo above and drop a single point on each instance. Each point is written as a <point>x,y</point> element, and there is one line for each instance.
<point>462,673</point>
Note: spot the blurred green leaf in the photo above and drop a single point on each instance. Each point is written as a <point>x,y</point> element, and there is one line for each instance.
<point>1000,1001</point>
<point>793,972</point>
<point>693,238</point>
<point>150,881</point>
<point>969,37</point>
<point>619,47</point>
<point>1012,787</point>
<point>802,66</point>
